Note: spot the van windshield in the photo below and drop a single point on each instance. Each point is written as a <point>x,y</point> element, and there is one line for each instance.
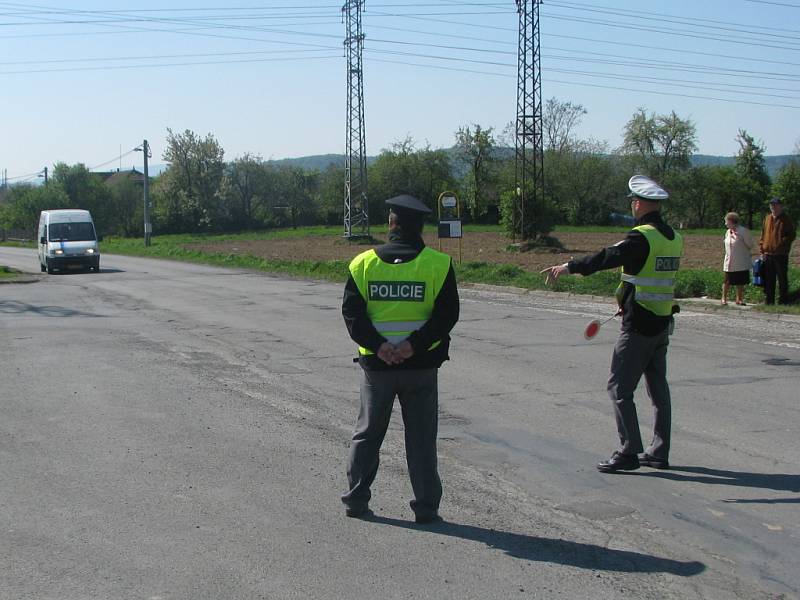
<point>72,232</point>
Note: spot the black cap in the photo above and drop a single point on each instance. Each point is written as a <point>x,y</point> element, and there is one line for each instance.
<point>775,200</point>
<point>408,204</point>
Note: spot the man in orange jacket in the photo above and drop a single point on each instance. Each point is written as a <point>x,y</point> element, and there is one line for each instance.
<point>777,236</point>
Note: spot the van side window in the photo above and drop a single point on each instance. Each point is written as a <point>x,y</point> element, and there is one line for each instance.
<point>44,235</point>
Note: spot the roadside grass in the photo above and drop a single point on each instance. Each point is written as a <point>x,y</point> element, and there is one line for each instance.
<point>8,273</point>
<point>691,283</point>
<point>791,309</point>
<point>288,233</point>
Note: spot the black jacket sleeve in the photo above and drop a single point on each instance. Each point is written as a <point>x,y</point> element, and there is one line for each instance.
<point>630,253</point>
<point>359,325</point>
<point>443,318</point>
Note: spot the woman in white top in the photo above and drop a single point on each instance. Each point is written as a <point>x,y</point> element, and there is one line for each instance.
<point>738,247</point>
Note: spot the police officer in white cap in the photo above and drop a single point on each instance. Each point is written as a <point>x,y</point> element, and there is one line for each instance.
<point>400,303</point>
<point>650,257</point>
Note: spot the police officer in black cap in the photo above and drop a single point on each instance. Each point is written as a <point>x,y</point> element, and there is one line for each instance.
<point>400,304</point>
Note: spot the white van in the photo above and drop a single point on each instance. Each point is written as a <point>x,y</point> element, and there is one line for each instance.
<point>67,239</point>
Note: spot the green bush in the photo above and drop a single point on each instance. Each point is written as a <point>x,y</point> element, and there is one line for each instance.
<point>696,283</point>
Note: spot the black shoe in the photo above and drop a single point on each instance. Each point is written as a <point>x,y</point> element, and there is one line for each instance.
<point>359,512</point>
<point>428,519</point>
<point>619,462</point>
<point>653,462</point>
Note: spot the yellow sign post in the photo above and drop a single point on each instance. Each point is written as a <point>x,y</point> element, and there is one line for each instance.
<point>450,219</point>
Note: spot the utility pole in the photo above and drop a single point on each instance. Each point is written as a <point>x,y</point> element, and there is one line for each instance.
<point>148,227</point>
<point>45,176</point>
<point>356,206</point>
<point>529,138</point>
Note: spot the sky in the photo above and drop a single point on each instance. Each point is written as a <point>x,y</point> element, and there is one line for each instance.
<point>87,80</point>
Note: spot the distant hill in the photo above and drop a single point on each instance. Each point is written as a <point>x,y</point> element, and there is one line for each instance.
<point>320,162</point>
<point>774,163</point>
<point>317,162</point>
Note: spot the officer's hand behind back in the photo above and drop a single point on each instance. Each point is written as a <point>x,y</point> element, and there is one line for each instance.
<point>388,354</point>
<point>404,350</point>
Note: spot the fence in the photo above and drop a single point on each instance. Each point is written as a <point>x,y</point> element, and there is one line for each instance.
<point>17,235</point>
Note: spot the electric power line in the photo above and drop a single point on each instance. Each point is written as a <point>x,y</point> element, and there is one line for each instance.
<point>159,56</point>
<point>674,32</point>
<point>724,26</point>
<point>681,83</point>
<point>113,160</point>
<point>24,177</point>
<point>774,3</point>
<point>171,64</point>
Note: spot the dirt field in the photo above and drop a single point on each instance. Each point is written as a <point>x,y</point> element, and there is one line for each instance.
<point>699,251</point>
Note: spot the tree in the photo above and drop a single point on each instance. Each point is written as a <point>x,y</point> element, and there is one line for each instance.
<point>559,120</point>
<point>701,196</point>
<point>245,179</point>
<point>86,190</point>
<point>787,187</point>
<point>126,204</point>
<point>405,169</point>
<point>25,202</point>
<point>330,195</point>
<point>475,146</point>
<point>659,144</point>
<point>188,197</point>
<point>295,193</point>
<point>584,183</point>
<point>751,166</point>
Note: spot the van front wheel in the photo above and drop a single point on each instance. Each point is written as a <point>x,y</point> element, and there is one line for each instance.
<point>50,268</point>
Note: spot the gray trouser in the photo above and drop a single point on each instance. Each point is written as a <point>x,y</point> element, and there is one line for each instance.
<point>636,355</point>
<point>418,393</point>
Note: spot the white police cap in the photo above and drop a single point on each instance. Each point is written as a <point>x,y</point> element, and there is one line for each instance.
<point>646,189</point>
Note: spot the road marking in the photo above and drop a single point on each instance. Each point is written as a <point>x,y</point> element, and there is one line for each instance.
<point>773,527</point>
<point>784,345</point>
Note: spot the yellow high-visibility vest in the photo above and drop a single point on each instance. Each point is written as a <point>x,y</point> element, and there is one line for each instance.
<point>655,283</point>
<point>400,297</point>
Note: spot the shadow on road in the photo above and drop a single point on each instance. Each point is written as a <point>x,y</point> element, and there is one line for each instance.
<point>781,482</point>
<point>561,552</point>
<point>12,307</point>
<point>763,501</point>
<point>86,271</point>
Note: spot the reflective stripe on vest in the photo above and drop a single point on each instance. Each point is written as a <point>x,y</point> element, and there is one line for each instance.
<point>636,280</point>
<point>387,326</point>
<point>650,296</point>
<point>400,297</point>
<point>655,283</point>
<point>397,331</point>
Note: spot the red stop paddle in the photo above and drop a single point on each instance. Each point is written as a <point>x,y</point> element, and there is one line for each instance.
<point>593,328</point>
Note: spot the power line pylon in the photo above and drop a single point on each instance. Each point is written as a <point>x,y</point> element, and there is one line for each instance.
<point>356,207</point>
<point>529,138</point>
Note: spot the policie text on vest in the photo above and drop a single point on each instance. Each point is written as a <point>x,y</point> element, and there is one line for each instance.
<point>408,291</point>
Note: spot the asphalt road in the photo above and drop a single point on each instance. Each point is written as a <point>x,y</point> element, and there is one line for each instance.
<point>174,431</point>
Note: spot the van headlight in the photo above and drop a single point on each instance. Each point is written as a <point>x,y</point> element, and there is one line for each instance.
<point>90,251</point>
<point>59,251</point>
